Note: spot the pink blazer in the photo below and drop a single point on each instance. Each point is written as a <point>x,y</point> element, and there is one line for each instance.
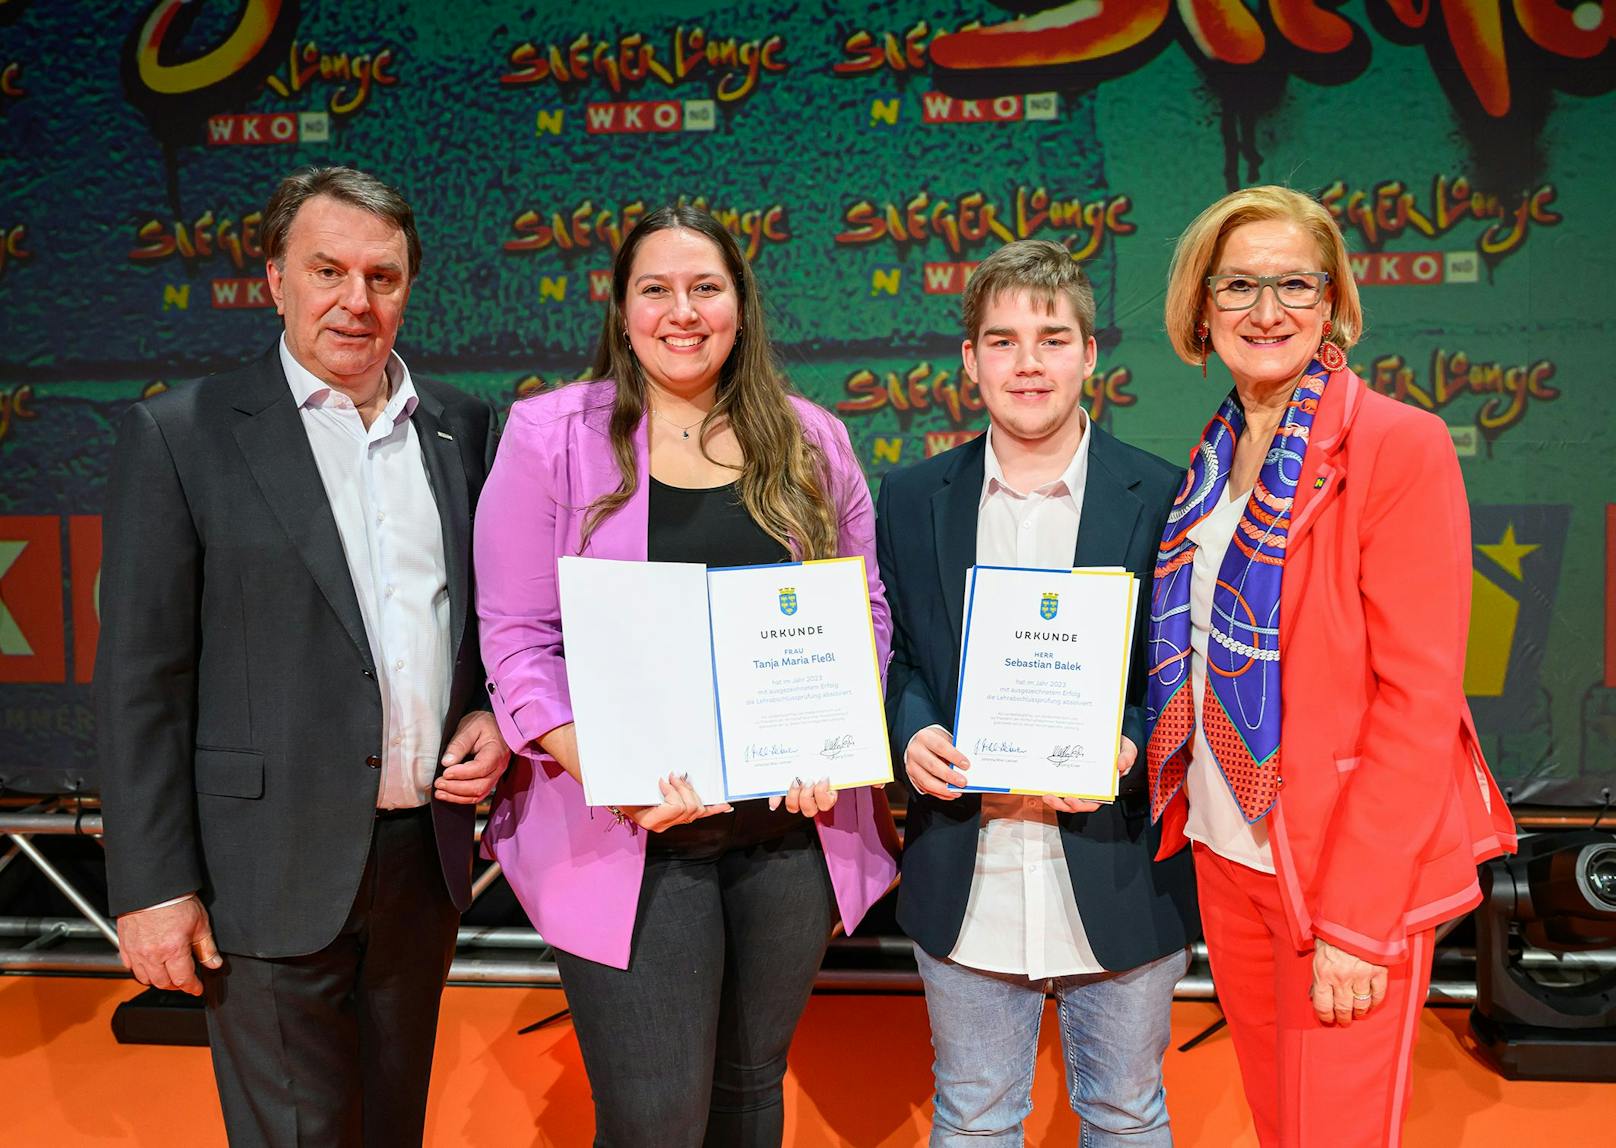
<point>575,872</point>
<point>1386,805</point>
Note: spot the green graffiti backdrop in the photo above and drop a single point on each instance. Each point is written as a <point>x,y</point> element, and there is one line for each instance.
<point>866,155</point>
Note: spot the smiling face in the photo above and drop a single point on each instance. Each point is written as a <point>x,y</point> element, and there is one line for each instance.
<point>1267,347</point>
<point>1029,364</point>
<point>341,288</point>
<point>682,311</point>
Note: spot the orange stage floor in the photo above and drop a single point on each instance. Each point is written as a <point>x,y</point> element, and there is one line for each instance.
<point>860,1077</point>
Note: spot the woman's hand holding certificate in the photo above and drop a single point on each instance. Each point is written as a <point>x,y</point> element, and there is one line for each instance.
<point>1043,675</point>
<point>758,681</point>
<point>680,804</point>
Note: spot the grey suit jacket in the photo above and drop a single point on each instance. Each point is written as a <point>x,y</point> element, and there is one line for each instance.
<point>238,713</point>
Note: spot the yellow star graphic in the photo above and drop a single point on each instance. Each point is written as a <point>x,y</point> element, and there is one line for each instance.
<point>1507,552</point>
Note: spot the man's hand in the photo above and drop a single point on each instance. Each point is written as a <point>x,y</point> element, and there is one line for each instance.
<point>1069,804</point>
<point>1126,756</point>
<point>1344,987</point>
<point>934,764</point>
<point>807,798</point>
<point>474,759</point>
<point>161,946</point>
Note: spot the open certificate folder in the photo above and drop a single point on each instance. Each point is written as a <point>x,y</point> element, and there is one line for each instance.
<point>1043,678</point>
<point>745,678</point>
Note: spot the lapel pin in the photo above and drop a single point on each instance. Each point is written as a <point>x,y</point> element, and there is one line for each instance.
<point>447,435</point>
<point>1318,483</point>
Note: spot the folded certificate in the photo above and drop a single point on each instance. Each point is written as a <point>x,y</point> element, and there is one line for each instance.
<point>640,676</point>
<point>1043,679</point>
<point>746,678</point>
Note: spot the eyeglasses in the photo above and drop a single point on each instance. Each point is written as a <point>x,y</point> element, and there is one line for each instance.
<point>1293,289</point>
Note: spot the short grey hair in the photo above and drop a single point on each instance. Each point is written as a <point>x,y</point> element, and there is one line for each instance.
<point>346,185</point>
<point>1042,268</point>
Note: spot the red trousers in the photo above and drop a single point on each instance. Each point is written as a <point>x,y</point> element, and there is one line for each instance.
<point>1310,1085</point>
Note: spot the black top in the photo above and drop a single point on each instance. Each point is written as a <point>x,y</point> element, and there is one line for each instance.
<point>711,525</point>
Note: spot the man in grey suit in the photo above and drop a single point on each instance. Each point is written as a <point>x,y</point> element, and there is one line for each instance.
<point>287,686</point>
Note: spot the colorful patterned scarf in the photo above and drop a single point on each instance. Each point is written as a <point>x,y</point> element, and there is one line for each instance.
<point>1240,709</point>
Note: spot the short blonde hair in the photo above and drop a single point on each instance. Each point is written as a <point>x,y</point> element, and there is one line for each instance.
<point>1042,268</point>
<point>1201,244</point>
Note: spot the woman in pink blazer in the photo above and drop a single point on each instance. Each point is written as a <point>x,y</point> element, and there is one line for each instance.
<point>688,934</point>
<point>1306,651</point>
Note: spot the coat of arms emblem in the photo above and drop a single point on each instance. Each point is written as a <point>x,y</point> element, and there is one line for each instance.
<point>1049,607</point>
<point>788,600</point>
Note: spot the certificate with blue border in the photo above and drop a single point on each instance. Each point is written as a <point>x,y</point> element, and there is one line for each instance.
<point>746,678</point>
<point>1043,679</point>
<point>795,676</point>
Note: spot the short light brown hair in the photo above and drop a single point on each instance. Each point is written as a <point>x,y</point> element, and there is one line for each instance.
<point>346,185</point>
<point>1201,245</point>
<point>1042,268</point>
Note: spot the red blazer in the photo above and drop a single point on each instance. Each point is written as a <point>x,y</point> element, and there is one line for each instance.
<point>1385,804</point>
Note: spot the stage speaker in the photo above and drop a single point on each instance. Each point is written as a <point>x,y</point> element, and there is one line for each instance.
<point>1558,894</point>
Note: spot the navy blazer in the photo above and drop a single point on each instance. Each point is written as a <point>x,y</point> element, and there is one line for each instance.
<point>1134,910</point>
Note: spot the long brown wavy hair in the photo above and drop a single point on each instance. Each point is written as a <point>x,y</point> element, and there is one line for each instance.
<point>782,475</point>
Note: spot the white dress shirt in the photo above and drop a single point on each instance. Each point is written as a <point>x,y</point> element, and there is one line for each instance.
<point>375,480</point>
<point>1215,819</point>
<point>1022,915</point>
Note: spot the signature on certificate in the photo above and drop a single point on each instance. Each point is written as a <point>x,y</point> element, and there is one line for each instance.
<point>837,747</point>
<point>769,752</point>
<point>985,745</point>
<point>1065,755</point>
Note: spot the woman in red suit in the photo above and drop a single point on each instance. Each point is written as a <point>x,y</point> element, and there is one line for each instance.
<point>1307,640</point>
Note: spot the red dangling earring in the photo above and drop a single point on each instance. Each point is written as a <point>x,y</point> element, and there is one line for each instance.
<point>1330,356</point>
<point>1201,333</point>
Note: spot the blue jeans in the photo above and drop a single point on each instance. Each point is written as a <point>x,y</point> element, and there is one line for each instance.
<point>1115,1029</point>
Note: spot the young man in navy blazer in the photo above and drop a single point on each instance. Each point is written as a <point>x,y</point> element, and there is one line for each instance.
<point>1006,895</point>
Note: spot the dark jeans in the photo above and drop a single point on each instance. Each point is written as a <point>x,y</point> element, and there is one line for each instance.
<point>335,1048</point>
<point>687,1047</point>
